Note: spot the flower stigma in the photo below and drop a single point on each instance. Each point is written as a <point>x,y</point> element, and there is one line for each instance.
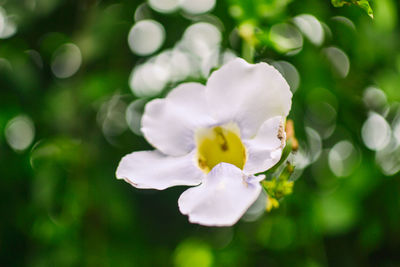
<point>220,144</point>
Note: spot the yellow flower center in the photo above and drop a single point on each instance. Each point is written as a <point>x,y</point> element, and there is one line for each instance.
<point>220,144</point>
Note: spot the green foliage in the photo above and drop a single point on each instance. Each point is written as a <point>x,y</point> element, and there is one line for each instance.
<point>363,4</point>
<point>193,253</point>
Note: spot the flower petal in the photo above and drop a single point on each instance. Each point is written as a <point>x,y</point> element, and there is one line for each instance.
<point>152,169</point>
<point>222,198</point>
<point>247,94</point>
<point>265,149</point>
<point>169,124</point>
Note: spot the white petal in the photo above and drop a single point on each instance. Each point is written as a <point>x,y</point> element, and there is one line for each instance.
<point>169,124</point>
<point>265,149</point>
<point>247,94</point>
<point>222,198</point>
<point>152,169</point>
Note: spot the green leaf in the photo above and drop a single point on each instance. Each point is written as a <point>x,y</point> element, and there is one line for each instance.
<point>340,3</point>
<point>363,4</point>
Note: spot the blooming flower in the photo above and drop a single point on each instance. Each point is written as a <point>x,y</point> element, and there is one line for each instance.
<point>215,137</point>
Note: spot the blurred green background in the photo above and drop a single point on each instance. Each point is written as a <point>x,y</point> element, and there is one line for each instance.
<point>75,75</point>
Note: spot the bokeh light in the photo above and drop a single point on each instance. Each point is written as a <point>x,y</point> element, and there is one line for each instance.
<point>321,111</point>
<point>142,12</point>
<point>310,27</point>
<point>290,73</point>
<point>286,38</point>
<point>193,253</point>
<point>5,64</point>
<point>195,55</point>
<point>164,6</point>
<point>20,132</point>
<point>146,37</point>
<point>376,132</point>
<point>388,158</point>
<point>374,99</point>
<point>340,62</point>
<point>148,79</point>
<point>111,117</point>
<point>178,63</point>
<point>66,61</point>
<point>134,113</point>
<point>314,144</point>
<point>396,130</point>
<point>7,25</point>
<point>201,38</point>
<point>343,158</point>
<point>344,21</point>
<point>197,7</point>
<point>36,57</point>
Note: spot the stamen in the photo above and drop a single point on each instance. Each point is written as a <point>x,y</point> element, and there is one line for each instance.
<point>220,144</point>
<point>221,139</point>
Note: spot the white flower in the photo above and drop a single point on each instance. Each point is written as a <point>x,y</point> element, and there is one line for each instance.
<point>214,137</point>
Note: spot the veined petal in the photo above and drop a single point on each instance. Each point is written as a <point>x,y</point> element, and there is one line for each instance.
<point>222,198</point>
<point>169,124</point>
<point>154,170</point>
<point>265,149</point>
<point>247,94</point>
